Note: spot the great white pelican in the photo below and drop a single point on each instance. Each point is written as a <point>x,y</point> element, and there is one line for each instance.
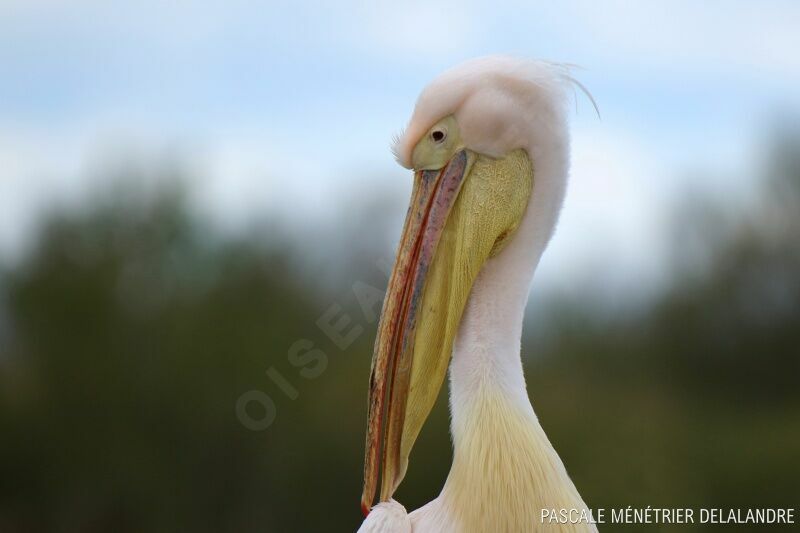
<point>489,145</point>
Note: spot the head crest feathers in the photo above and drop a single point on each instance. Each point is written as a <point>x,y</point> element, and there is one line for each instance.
<point>500,103</point>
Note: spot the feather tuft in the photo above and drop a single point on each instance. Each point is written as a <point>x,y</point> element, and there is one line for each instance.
<point>500,102</point>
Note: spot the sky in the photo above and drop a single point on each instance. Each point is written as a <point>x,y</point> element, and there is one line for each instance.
<point>288,108</point>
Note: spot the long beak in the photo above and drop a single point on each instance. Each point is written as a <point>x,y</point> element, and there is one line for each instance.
<point>449,233</point>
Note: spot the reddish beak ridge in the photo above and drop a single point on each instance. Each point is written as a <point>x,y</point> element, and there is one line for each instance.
<point>434,194</point>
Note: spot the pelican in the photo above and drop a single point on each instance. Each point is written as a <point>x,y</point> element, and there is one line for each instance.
<point>488,142</point>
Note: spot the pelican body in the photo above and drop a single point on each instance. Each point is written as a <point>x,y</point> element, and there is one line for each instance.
<point>488,143</point>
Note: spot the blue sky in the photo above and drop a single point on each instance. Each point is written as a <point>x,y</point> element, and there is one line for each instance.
<point>281,106</point>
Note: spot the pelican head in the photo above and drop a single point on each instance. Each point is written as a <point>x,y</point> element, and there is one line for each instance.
<point>488,145</point>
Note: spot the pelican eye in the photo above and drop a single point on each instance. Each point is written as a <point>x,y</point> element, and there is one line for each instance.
<point>438,136</point>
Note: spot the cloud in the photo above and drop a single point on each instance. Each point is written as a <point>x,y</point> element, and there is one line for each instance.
<point>681,36</point>
<point>421,31</point>
<point>37,169</point>
<point>612,226</point>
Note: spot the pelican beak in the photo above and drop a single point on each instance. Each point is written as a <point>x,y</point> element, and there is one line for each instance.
<point>459,217</point>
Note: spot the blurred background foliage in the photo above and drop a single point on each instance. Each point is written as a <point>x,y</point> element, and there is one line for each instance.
<point>131,328</point>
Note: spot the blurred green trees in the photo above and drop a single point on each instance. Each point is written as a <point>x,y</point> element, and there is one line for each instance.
<point>130,330</point>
